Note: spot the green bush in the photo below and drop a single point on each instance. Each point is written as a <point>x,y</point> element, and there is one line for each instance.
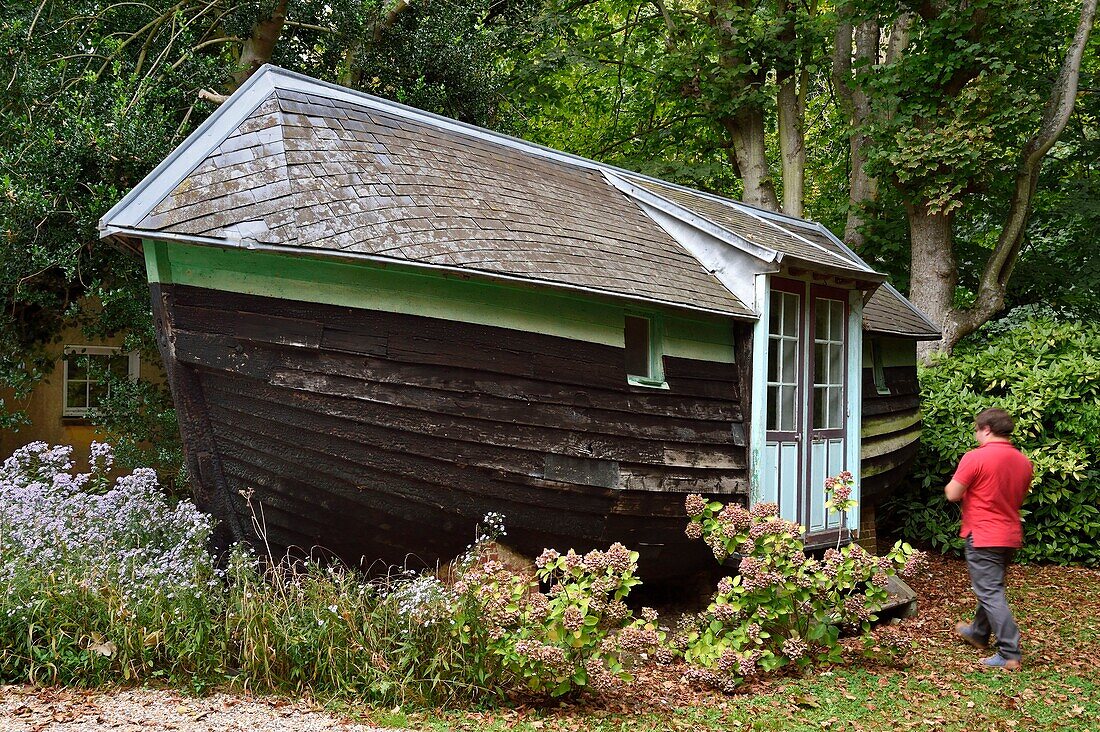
<point>1046,373</point>
<point>783,608</point>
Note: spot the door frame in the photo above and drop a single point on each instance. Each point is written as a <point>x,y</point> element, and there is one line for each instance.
<point>852,400</point>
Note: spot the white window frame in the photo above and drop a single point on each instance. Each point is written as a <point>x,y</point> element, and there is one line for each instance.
<point>133,371</point>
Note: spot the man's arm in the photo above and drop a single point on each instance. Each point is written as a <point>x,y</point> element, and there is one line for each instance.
<point>954,490</point>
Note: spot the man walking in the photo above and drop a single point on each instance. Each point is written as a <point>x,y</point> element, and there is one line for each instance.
<point>991,481</point>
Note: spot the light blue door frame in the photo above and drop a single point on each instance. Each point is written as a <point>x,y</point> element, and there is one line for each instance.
<point>789,465</point>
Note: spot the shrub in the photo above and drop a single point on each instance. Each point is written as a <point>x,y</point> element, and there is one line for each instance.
<point>112,583</point>
<point>1046,373</point>
<point>783,608</point>
<point>553,643</point>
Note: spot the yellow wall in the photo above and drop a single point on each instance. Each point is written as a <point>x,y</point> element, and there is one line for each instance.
<point>44,405</point>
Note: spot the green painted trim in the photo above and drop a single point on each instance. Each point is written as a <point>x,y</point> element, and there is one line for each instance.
<point>884,424</point>
<point>445,296</point>
<point>156,262</point>
<point>875,448</point>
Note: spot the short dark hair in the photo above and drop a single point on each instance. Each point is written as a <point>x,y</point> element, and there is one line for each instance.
<point>997,420</point>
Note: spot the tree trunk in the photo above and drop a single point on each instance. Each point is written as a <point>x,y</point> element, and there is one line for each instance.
<point>746,131</point>
<point>792,81</point>
<point>933,272</point>
<point>792,150</point>
<point>257,50</point>
<point>862,187</point>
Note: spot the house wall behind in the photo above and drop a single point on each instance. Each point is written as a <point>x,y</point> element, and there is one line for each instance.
<point>44,405</point>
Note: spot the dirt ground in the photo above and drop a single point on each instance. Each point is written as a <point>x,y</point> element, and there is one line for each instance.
<point>29,709</point>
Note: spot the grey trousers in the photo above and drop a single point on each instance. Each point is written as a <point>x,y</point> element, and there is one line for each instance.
<point>987,567</point>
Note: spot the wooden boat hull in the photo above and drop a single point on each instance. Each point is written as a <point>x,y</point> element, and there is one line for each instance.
<point>385,438</point>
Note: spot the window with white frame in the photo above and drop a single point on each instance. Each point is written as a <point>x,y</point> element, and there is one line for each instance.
<point>644,351</point>
<point>85,375</point>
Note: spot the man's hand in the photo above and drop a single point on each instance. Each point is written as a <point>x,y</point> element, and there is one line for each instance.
<point>954,491</point>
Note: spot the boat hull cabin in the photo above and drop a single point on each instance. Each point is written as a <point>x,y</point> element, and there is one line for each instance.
<point>380,325</point>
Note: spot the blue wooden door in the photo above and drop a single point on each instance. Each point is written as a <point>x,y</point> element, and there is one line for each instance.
<point>806,415</point>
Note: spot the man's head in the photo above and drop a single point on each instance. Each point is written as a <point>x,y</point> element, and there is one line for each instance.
<point>993,424</point>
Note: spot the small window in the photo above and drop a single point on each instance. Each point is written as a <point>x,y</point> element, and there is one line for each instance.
<point>84,369</point>
<point>643,352</point>
<point>876,365</point>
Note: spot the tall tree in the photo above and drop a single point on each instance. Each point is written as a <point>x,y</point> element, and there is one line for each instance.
<point>959,118</point>
<point>948,110</point>
<point>705,88</point>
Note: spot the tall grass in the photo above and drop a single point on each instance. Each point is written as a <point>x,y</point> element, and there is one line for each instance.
<point>103,585</point>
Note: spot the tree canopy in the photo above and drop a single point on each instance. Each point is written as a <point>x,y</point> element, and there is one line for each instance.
<point>97,93</point>
<point>946,140</point>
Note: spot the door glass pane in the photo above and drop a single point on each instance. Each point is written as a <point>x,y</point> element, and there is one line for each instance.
<point>821,319</point>
<point>787,407</point>
<point>836,317</point>
<point>773,360</point>
<point>836,410</point>
<point>772,402</point>
<point>819,408</point>
<point>790,361</point>
<point>820,368</point>
<point>790,314</point>
<point>836,364</point>
<point>776,313</point>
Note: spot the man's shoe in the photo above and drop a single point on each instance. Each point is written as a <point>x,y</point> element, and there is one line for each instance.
<point>963,631</point>
<point>1000,662</point>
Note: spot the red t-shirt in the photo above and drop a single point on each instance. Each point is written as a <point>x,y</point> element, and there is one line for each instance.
<point>996,476</point>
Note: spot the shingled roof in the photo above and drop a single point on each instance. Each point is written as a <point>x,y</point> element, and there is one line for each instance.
<point>290,163</point>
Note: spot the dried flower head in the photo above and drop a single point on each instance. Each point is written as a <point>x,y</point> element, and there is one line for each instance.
<point>547,556</point>
<point>694,504</point>
<point>764,510</point>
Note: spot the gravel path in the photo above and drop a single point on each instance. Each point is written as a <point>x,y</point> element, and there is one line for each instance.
<point>30,709</point>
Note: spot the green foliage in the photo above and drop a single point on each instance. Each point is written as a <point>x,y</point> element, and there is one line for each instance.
<point>139,420</point>
<point>112,583</point>
<point>97,94</point>
<point>954,110</point>
<point>783,608</point>
<point>1046,373</point>
<point>556,643</point>
<point>652,86</point>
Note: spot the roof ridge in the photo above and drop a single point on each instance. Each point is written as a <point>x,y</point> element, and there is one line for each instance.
<point>743,242</point>
<point>762,215</point>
